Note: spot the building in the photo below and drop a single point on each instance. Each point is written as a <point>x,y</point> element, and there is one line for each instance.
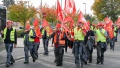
<point>3,10</point>
<point>8,2</point>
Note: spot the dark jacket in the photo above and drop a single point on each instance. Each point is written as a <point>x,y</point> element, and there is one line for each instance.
<point>26,41</point>
<point>7,39</point>
<point>89,33</point>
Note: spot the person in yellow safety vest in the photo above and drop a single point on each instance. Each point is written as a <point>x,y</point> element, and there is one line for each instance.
<point>45,39</point>
<point>29,35</point>
<point>100,42</point>
<point>115,32</point>
<point>10,37</point>
<point>114,39</point>
<point>79,35</point>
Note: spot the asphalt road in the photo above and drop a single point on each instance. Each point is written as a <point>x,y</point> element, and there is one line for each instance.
<point>111,60</point>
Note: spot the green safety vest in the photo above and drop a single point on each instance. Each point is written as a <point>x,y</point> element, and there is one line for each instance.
<point>91,27</point>
<point>30,34</point>
<point>78,35</point>
<point>101,37</point>
<point>115,28</point>
<point>12,34</point>
<point>43,30</point>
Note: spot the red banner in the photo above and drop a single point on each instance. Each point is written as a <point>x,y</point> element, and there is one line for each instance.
<point>47,27</point>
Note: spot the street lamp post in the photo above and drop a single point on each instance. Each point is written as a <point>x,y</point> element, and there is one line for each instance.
<point>85,8</point>
<point>61,3</point>
<point>41,4</point>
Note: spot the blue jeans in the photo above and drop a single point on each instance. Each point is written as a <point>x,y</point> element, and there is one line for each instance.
<point>101,48</point>
<point>28,48</point>
<point>78,52</point>
<point>45,45</point>
<point>36,47</point>
<point>9,48</point>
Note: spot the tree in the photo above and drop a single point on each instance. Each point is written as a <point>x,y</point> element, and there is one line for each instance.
<point>90,18</point>
<point>103,8</point>
<point>20,12</point>
<point>51,14</point>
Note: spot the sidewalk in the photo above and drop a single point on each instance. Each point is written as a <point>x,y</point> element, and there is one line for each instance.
<point>18,52</point>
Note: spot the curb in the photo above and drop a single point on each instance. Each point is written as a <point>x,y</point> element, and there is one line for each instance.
<point>22,57</point>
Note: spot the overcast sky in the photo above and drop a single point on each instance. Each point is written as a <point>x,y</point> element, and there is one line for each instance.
<point>79,4</point>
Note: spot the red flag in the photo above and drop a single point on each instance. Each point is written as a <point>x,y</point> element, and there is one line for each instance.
<point>69,21</point>
<point>47,27</point>
<point>44,23</point>
<point>36,27</point>
<point>110,30</point>
<point>118,22</point>
<point>35,22</point>
<point>82,19</point>
<point>107,20</point>
<point>60,15</point>
<point>37,31</point>
<point>70,6</point>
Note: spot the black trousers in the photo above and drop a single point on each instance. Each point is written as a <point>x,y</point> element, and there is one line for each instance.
<point>101,48</point>
<point>59,51</point>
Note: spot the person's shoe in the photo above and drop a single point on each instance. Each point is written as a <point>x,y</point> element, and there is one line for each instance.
<point>85,62</point>
<point>101,62</point>
<point>12,62</point>
<point>55,61</point>
<point>97,62</point>
<point>26,62</point>
<point>81,64</point>
<point>34,60</point>
<point>44,54</point>
<point>7,65</point>
<point>58,64</point>
<point>90,61</point>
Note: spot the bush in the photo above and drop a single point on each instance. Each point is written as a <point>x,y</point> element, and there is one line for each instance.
<point>19,32</point>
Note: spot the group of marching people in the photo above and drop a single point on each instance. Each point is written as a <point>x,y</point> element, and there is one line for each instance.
<point>80,41</point>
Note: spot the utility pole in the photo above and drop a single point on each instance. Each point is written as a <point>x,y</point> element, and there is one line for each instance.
<point>41,4</point>
<point>85,8</point>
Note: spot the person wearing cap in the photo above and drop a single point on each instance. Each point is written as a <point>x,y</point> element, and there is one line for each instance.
<point>89,42</point>
<point>100,42</point>
<point>79,35</point>
<point>36,41</point>
<point>45,37</point>
<point>10,38</point>
<point>29,36</point>
<point>59,43</point>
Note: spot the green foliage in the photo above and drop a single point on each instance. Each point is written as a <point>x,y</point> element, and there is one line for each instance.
<point>19,32</point>
<point>20,12</point>
<point>104,8</point>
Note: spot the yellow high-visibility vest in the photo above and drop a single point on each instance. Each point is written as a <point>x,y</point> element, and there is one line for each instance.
<point>12,34</point>
<point>100,36</point>
<point>30,34</point>
<point>78,35</point>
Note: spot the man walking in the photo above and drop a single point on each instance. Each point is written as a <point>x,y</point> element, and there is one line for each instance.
<point>100,42</point>
<point>10,38</point>
<point>28,44</point>
<point>79,35</point>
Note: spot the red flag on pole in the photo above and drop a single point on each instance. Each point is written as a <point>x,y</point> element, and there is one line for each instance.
<point>36,27</point>
<point>118,22</point>
<point>60,15</point>
<point>47,27</point>
<point>69,22</point>
<point>70,6</point>
<point>110,30</point>
<point>82,19</point>
<point>35,22</point>
<point>107,20</point>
